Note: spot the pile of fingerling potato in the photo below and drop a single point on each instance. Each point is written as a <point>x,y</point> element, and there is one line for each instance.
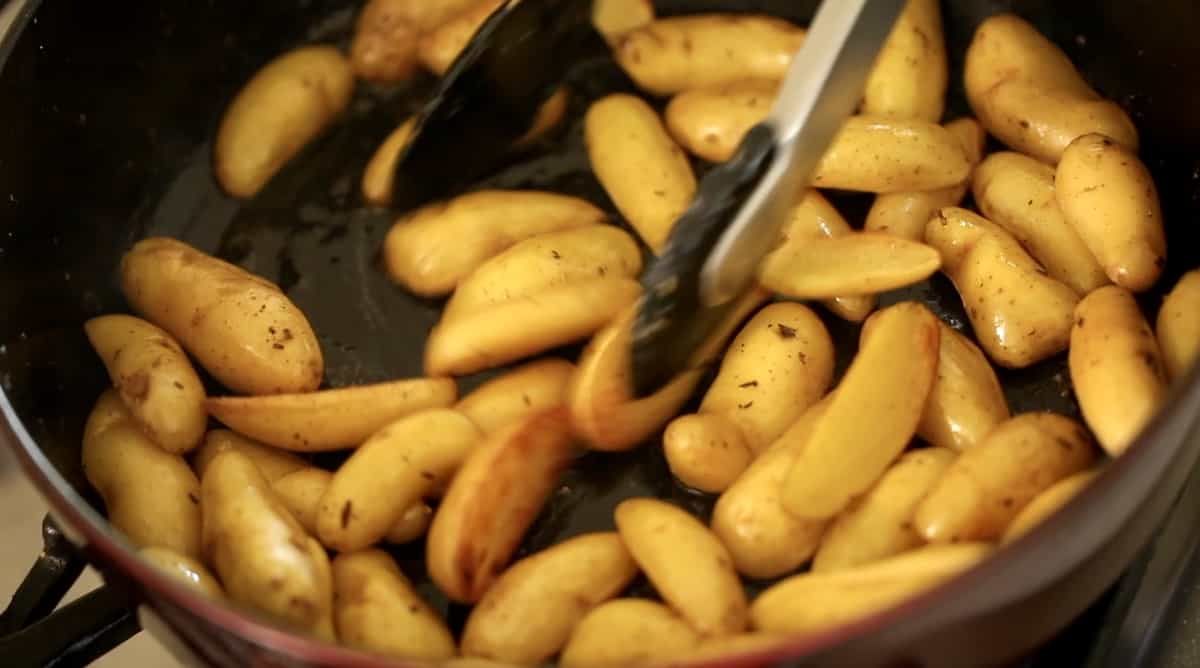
<point>852,497</point>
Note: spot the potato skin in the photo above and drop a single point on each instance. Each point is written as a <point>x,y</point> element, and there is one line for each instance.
<point>283,107</point>
<point>301,491</point>
<point>262,555</point>
<point>330,419</point>
<point>688,566</point>
<point>491,502</point>
<point>911,74</point>
<point>151,495</point>
<point>627,631</point>
<point>711,122</point>
<point>528,389</point>
<point>614,18</point>
<point>379,175</point>
<point>966,400</point>
<point>384,48</point>
<point>376,609</point>
<point>984,489</point>
<point>641,168</point>
<point>678,53</point>
<point>240,327</point>
<point>528,614</point>
<point>394,469</point>
<point>1116,367</point>
<point>154,379</point>
<point>859,264</point>
<point>706,452</point>
<point>273,463</point>
<point>1178,325</point>
<point>1020,315</point>
<point>886,155</point>
<point>1018,193</point>
<point>439,47</point>
<point>1109,197</point>
<point>187,570</point>
<point>432,250</point>
<point>1045,505</point>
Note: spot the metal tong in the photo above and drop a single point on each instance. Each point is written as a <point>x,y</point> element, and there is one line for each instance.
<point>489,97</point>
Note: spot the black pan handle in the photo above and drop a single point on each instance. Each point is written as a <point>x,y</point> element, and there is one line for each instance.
<point>33,633</point>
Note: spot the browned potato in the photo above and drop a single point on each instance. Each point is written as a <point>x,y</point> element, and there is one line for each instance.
<point>491,502</point>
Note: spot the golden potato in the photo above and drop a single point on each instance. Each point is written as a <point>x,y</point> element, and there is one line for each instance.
<point>813,217</point>
<point>986,486</point>
<point>528,614</point>
<point>1109,197</point>
<point>614,18</point>
<point>685,562</point>
<point>775,368</point>
<point>1116,368</point>
<point>856,264</point>
<point>910,75</point>
<point>528,389</point>
<point>626,632</point>
<point>384,48</point>
<point>878,524</point>
<point>886,155</point>
<point>711,122</point>
<point>398,466</point>
<point>491,502</point>
<point>330,419</point>
<point>240,327</point>
<point>1178,325</point>
<point>262,555</point>
<point>434,249</point>
<point>151,495</point>
<point>729,649</point>
<point>271,462</point>
<point>287,104</point>
<point>644,172</point>
<point>185,569</point>
<point>438,48</point>
<point>678,53</point>
<point>604,413</point>
<point>1044,505</point>
<point>1029,95</point>
<point>379,175</point>
<point>1019,314</point>
<point>154,379</point>
<point>966,400</point>
<point>1018,193</point>
<point>872,415</point>
<point>377,609</point>
<point>816,602</point>
<point>301,491</point>
<point>904,214</point>
<point>765,540</point>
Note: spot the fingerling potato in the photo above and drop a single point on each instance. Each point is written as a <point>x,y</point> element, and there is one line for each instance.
<point>287,104</point>
<point>904,214</point>
<point>271,462</point>
<point>685,562</point>
<point>432,250</point>
<point>1045,504</point>
<point>151,495</point>
<point>1116,368</point>
<point>911,74</point>
<point>491,502</point>
<point>1178,325</point>
<point>437,49</point>
<point>301,492</point>
<point>881,155</point>
<point>384,47</point>
<point>154,379</point>
<point>678,53</point>
<point>262,555</point>
<point>240,327</point>
<point>641,168</point>
<point>626,632</point>
<point>765,540</point>
<point>528,389</point>
<point>711,122</point>
<point>604,414</point>
<point>872,415</point>
<point>1109,197</point>
<point>1019,314</point>
<point>379,175</point>
<point>856,264</point>
<point>614,18</point>
<point>815,602</point>
<point>528,614</point>
<point>1018,193</point>
<point>706,452</point>
<point>393,470</point>
<point>813,217</point>
<point>377,609</point>
<point>330,419</point>
<point>985,487</point>
<point>878,524</point>
<point>185,569</point>
<point>966,400</point>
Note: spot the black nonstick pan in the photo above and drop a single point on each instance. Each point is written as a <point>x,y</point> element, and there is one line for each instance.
<point>106,114</point>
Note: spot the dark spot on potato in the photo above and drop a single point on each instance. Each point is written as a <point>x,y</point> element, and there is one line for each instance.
<point>602,270</point>
<point>750,383</point>
<point>1007,502</point>
<point>414,608</point>
<point>1079,321</point>
<point>525,398</point>
<point>275,583</point>
<point>786,332</point>
<point>428,475</point>
<point>748,404</point>
<point>687,44</point>
<point>178,385</point>
<point>346,509</point>
<point>1160,262</point>
<point>1064,443</point>
<point>555,254</point>
<point>1024,124</point>
<point>136,386</point>
<point>277,346</point>
<point>193,498</point>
